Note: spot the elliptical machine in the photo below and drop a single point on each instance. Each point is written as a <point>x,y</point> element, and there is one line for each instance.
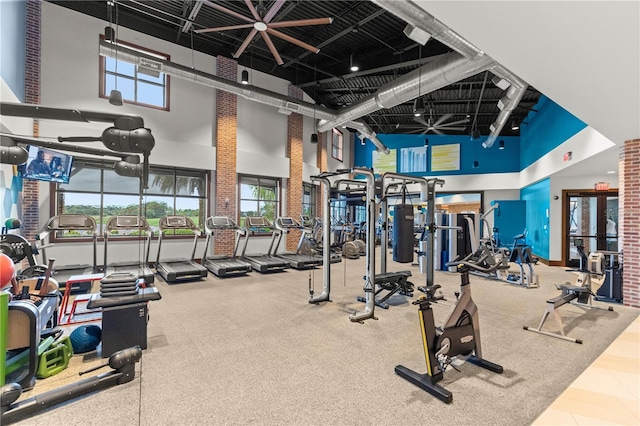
<point>460,335</point>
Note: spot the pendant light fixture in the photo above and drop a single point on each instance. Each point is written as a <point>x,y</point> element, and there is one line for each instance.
<point>314,135</point>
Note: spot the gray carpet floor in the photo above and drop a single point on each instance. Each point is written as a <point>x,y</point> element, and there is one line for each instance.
<point>251,350</point>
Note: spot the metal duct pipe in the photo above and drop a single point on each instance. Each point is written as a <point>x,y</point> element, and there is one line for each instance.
<point>507,104</point>
<point>434,75</point>
<point>248,92</point>
<point>414,15</point>
<point>366,132</point>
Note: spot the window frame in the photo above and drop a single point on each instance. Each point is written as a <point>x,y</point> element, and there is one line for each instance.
<point>102,76</point>
<point>55,207</point>
<point>278,200</point>
<point>337,145</point>
<point>313,208</point>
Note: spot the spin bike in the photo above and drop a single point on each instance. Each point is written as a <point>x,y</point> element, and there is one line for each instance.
<point>460,335</point>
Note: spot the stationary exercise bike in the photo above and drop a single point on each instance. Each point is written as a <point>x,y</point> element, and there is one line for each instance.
<point>460,335</point>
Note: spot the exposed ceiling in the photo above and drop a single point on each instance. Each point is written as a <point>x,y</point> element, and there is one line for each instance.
<point>372,35</point>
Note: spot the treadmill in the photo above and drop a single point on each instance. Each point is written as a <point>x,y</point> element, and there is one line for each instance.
<point>121,226</point>
<point>79,223</point>
<point>223,265</point>
<point>179,269</point>
<point>261,262</point>
<point>296,260</point>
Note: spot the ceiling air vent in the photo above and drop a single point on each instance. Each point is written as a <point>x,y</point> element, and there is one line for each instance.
<point>292,107</point>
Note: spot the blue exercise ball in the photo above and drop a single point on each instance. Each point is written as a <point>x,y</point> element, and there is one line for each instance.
<point>85,338</point>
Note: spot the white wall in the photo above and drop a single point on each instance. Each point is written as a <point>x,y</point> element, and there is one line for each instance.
<point>184,136</point>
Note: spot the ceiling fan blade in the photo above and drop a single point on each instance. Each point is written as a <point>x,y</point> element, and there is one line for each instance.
<point>450,128</point>
<point>229,28</point>
<point>271,47</point>
<point>301,23</point>
<point>437,132</point>
<point>253,10</point>
<point>292,40</point>
<point>245,43</point>
<point>421,121</point>
<point>442,119</point>
<point>274,9</point>
<point>453,123</point>
<point>227,11</point>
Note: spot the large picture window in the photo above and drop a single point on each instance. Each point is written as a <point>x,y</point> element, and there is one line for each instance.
<point>140,85</point>
<point>309,199</point>
<point>95,189</point>
<point>336,144</point>
<point>259,196</point>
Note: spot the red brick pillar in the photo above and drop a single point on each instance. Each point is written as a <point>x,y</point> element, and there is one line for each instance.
<point>321,163</point>
<point>629,229</point>
<point>295,155</point>
<point>226,152</point>
<point>30,188</point>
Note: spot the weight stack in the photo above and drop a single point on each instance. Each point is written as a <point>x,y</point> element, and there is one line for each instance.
<point>403,233</point>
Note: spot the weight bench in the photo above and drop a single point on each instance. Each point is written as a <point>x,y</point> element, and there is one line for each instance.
<point>393,282</point>
<point>575,295</point>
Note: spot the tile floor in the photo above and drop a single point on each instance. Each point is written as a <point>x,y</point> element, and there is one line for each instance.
<point>608,392</point>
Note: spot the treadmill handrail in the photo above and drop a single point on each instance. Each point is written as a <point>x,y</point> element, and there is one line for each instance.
<point>189,224</point>
<point>112,225</point>
<point>76,222</point>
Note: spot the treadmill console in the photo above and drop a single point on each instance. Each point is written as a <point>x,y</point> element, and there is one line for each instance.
<point>287,222</point>
<point>256,222</point>
<point>128,221</point>
<point>73,221</point>
<point>221,222</point>
<point>176,221</point>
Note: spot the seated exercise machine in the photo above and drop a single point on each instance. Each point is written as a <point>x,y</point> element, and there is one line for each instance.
<point>179,269</point>
<point>223,265</point>
<point>262,263</point>
<point>71,223</point>
<point>611,288</point>
<point>521,255</point>
<point>460,335</point>
<point>296,260</point>
<point>123,371</point>
<point>579,294</point>
<point>123,226</point>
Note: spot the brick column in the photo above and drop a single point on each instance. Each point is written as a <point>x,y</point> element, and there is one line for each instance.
<point>226,151</point>
<point>321,163</point>
<point>30,188</point>
<point>295,155</point>
<point>629,217</point>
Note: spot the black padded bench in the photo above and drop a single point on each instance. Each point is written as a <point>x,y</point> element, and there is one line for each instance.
<point>392,282</point>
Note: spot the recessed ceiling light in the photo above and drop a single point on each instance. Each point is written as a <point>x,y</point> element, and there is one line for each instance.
<point>611,172</point>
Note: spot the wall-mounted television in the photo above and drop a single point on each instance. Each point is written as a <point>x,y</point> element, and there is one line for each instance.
<point>47,164</point>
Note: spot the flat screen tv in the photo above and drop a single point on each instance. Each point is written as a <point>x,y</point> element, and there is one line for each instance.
<point>47,164</point>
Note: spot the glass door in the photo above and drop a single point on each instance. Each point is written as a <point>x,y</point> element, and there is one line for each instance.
<point>593,218</point>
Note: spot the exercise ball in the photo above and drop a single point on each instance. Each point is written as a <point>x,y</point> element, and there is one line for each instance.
<point>7,269</point>
<point>85,338</point>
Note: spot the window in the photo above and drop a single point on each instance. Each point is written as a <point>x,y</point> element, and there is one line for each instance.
<point>309,200</point>
<point>259,196</point>
<point>95,189</point>
<point>336,144</point>
<point>140,85</point>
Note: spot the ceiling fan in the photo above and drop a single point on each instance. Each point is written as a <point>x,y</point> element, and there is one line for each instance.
<point>440,125</point>
<point>260,22</point>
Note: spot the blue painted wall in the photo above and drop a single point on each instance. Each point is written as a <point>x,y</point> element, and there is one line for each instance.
<point>490,160</point>
<point>545,129</point>
<point>12,45</point>
<point>537,197</point>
